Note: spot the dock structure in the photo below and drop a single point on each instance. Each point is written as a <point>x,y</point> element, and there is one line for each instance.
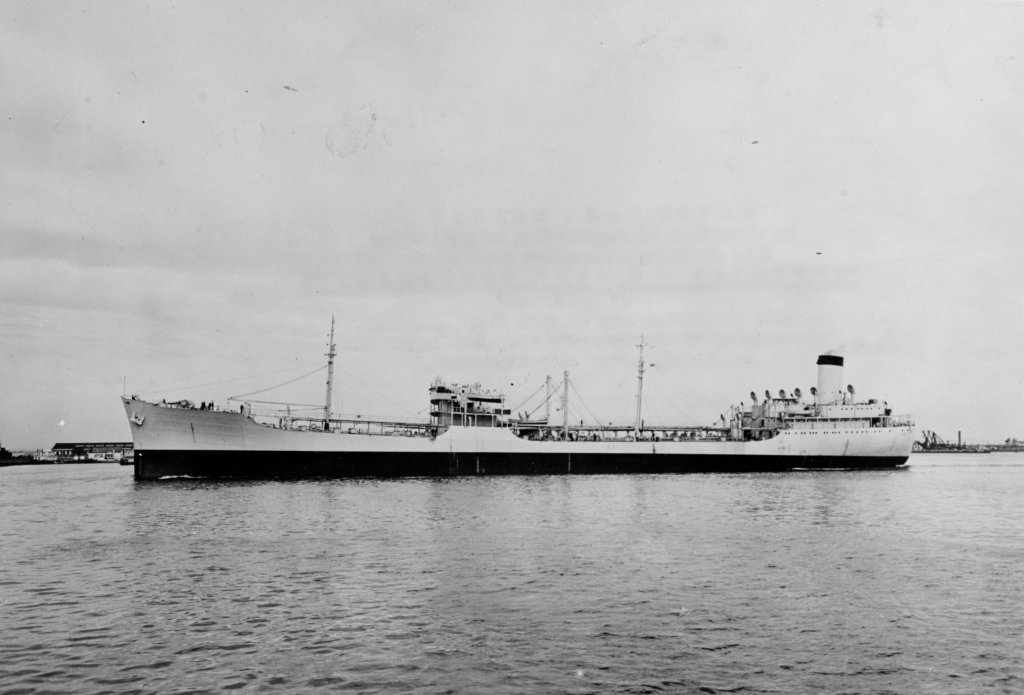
<point>92,452</point>
<point>932,443</point>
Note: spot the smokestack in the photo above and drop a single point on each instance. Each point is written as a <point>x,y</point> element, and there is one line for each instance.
<point>830,379</point>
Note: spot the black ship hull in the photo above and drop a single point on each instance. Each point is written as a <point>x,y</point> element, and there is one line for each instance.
<point>156,464</point>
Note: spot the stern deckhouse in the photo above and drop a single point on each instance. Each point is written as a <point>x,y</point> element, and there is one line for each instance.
<point>834,409</point>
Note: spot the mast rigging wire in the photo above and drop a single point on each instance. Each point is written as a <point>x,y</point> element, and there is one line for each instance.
<point>527,399</point>
<point>584,403</point>
<point>218,383</point>
<point>554,391</point>
<point>401,407</point>
<point>221,367</point>
<point>271,388</point>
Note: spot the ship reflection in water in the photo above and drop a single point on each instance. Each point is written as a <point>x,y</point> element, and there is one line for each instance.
<point>847,581</point>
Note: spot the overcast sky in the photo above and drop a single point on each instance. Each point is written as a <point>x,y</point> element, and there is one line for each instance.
<point>496,191</point>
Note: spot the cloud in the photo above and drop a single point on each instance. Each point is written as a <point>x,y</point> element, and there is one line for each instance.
<point>508,188</point>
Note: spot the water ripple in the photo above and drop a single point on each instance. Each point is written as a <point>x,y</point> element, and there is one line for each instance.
<point>813,582</point>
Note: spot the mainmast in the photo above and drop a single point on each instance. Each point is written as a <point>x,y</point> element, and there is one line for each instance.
<point>547,400</point>
<point>330,378</point>
<point>639,389</point>
<point>565,405</point>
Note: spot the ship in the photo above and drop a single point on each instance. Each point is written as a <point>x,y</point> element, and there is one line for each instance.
<point>8,458</point>
<point>470,432</point>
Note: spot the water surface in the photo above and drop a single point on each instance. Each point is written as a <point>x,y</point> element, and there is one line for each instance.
<point>905,581</point>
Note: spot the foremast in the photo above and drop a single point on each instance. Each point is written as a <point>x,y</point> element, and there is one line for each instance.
<point>638,423</point>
